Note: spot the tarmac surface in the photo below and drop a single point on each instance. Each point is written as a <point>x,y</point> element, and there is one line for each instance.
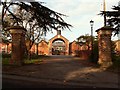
<point>59,72</point>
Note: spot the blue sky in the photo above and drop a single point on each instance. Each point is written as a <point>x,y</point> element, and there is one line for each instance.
<point>79,13</point>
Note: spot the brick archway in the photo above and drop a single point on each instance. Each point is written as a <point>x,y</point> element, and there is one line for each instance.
<point>59,37</point>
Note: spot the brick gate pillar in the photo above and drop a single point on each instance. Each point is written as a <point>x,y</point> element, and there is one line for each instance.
<point>18,45</point>
<point>104,46</point>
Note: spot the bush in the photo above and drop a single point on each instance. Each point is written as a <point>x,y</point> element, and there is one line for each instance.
<point>94,57</point>
<point>5,55</point>
<point>5,61</point>
<point>116,61</point>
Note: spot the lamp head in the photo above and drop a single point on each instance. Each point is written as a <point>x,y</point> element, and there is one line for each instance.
<point>91,23</point>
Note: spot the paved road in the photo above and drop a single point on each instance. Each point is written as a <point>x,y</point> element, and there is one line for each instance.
<point>59,71</point>
<point>13,81</point>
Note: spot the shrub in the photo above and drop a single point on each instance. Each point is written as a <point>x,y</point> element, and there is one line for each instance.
<point>5,61</point>
<point>94,58</point>
<point>5,55</point>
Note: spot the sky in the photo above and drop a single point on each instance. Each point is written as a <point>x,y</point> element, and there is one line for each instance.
<point>79,13</point>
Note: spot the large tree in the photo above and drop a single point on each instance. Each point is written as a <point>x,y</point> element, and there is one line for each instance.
<point>113,18</point>
<point>34,17</point>
<point>46,18</point>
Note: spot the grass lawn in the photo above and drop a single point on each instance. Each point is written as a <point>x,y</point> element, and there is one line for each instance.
<point>34,60</point>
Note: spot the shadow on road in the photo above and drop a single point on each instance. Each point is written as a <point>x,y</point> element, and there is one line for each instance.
<point>59,71</point>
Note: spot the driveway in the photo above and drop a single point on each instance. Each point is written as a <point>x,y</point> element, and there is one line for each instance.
<point>64,70</point>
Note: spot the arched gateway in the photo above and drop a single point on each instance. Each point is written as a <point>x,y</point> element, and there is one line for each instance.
<point>64,45</point>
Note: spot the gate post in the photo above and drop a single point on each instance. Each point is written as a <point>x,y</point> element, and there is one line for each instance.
<point>104,46</point>
<point>18,45</point>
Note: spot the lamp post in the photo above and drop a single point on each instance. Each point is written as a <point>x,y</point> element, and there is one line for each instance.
<point>91,24</point>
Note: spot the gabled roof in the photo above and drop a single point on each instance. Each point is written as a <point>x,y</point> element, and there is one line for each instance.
<point>43,41</point>
<point>72,42</point>
<point>57,37</point>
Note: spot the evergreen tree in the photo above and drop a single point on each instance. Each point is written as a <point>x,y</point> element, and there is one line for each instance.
<point>34,17</point>
<point>113,18</point>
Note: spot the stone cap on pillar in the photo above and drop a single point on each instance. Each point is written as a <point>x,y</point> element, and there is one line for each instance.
<point>16,29</point>
<point>105,30</point>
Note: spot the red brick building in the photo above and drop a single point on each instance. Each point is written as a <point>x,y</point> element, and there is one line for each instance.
<point>63,47</point>
<point>74,48</point>
<point>41,48</point>
<point>117,43</point>
<point>5,47</point>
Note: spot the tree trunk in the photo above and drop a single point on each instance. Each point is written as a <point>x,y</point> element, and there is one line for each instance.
<point>28,48</point>
<point>37,49</point>
<point>29,55</point>
<point>7,48</point>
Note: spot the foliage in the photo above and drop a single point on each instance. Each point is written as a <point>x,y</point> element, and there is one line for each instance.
<point>85,39</point>
<point>113,51</point>
<point>35,59</point>
<point>113,18</point>
<point>5,61</point>
<point>116,62</point>
<point>34,17</point>
<point>45,18</point>
<point>116,65</point>
<point>94,57</point>
<point>115,57</point>
<point>4,55</point>
<point>4,34</point>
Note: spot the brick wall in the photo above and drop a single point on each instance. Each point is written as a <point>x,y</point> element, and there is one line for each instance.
<point>43,48</point>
